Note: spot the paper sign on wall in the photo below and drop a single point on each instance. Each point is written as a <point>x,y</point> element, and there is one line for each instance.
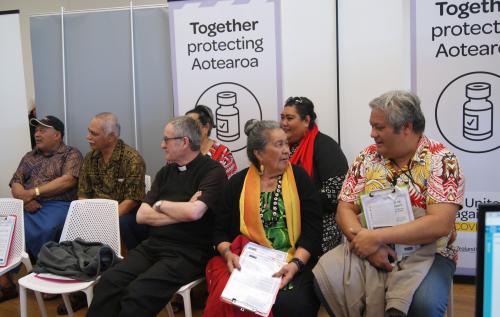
<point>456,74</point>
<point>225,55</point>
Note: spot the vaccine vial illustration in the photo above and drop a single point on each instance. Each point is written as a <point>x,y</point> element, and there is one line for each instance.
<point>478,112</point>
<point>227,117</point>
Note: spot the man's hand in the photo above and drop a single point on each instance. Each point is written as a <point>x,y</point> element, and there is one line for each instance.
<point>380,258</point>
<point>26,195</point>
<point>32,206</point>
<point>195,196</point>
<point>287,273</point>
<point>365,242</point>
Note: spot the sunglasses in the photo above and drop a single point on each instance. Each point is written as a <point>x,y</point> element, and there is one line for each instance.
<point>293,100</point>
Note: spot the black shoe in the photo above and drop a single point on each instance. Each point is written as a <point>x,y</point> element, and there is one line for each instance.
<point>77,300</point>
<point>7,293</point>
<point>177,307</point>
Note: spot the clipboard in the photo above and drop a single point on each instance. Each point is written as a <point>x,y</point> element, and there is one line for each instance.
<point>7,228</point>
<point>387,208</point>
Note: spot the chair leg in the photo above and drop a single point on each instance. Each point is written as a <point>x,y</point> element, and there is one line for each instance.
<point>89,292</point>
<point>41,304</point>
<point>67,303</point>
<point>27,263</point>
<point>169,309</point>
<point>22,301</point>
<point>186,297</point>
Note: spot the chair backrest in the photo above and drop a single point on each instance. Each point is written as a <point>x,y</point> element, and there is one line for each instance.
<point>147,183</point>
<point>93,220</point>
<point>12,206</point>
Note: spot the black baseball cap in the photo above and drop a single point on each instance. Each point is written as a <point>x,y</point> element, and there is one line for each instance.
<point>49,122</point>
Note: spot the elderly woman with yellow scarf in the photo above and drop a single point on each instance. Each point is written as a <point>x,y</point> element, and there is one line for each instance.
<point>272,203</point>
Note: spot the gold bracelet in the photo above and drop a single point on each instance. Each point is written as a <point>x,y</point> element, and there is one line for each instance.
<point>37,191</point>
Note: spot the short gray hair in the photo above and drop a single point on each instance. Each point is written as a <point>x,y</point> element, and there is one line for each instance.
<point>258,132</point>
<point>185,126</point>
<point>401,107</point>
<point>109,123</point>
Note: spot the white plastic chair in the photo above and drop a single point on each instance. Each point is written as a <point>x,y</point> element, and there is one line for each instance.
<point>185,292</point>
<point>93,220</point>
<point>14,207</point>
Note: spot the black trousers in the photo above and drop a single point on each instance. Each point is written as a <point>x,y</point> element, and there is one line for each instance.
<point>143,283</point>
<point>301,301</point>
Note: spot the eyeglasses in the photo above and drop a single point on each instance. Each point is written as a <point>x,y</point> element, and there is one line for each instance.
<point>166,138</point>
<point>293,100</point>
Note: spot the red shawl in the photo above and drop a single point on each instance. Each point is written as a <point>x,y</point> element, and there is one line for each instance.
<point>303,155</point>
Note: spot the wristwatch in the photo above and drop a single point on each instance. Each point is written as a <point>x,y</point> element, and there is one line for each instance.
<point>157,205</point>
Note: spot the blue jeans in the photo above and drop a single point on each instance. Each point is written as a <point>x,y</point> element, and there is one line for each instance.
<point>431,297</point>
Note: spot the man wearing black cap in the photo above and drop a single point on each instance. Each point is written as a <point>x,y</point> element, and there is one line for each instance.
<point>46,181</point>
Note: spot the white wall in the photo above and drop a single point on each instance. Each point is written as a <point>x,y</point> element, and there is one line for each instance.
<point>309,57</point>
<point>32,7</point>
<point>14,131</point>
<point>374,57</point>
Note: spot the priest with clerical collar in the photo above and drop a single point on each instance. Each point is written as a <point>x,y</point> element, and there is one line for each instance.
<point>179,210</point>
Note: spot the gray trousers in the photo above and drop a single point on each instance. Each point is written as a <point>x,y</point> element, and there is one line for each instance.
<point>351,286</point>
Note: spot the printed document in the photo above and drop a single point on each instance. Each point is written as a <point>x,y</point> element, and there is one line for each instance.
<point>7,225</point>
<point>387,208</point>
<point>253,287</point>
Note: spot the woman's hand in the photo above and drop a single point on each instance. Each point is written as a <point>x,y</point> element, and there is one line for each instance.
<point>287,273</point>
<point>232,261</point>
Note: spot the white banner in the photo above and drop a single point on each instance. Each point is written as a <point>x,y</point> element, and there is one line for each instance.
<point>15,140</point>
<point>225,55</point>
<point>456,73</point>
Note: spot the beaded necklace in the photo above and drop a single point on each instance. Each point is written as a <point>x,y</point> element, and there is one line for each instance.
<point>272,205</point>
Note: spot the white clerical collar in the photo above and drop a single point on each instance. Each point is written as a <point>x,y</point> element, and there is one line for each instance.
<point>182,168</point>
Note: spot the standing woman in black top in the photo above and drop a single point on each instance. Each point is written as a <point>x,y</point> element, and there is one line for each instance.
<point>320,156</point>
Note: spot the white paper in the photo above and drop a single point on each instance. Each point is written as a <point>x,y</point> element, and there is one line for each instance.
<point>253,287</point>
<point>7,225</point>
<point>56,278</point>
<point>388,208</point>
